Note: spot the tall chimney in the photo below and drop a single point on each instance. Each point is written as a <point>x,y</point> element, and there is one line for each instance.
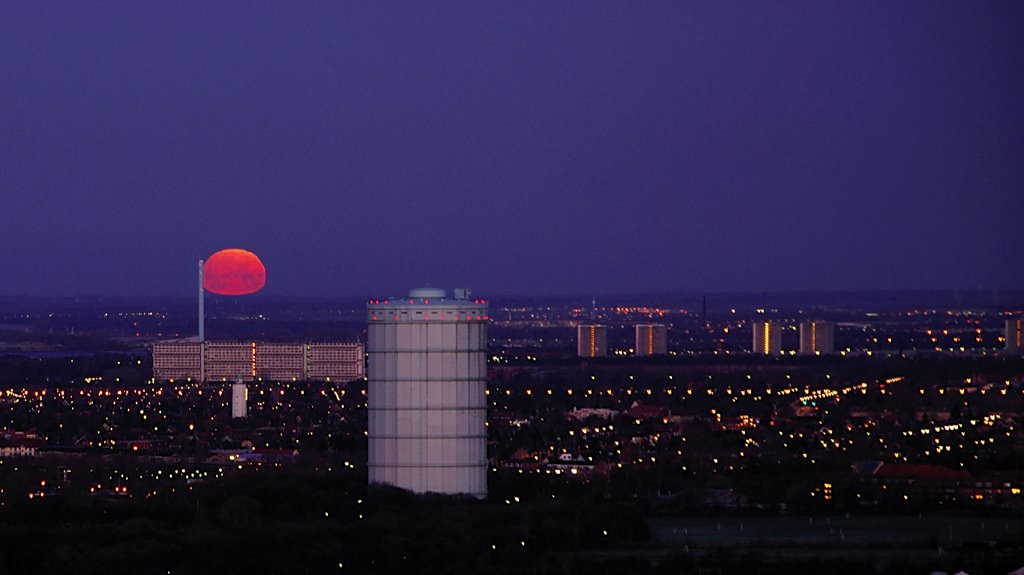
<point>202,334</point>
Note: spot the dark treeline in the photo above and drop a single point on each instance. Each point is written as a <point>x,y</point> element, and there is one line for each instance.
<point>283,522</point>
<point>275,522</point>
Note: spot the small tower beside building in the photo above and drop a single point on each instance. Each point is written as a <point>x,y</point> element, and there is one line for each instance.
<point>239,399</point>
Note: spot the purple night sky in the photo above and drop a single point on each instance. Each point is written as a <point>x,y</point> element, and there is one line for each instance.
<point>515,147</point>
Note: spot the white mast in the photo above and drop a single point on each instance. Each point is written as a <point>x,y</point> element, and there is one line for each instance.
<point>202,335</point>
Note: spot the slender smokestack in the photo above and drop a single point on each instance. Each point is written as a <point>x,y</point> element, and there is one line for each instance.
<point>202,334</point>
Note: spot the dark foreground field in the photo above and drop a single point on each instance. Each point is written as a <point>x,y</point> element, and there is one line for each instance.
<point>278,522</point>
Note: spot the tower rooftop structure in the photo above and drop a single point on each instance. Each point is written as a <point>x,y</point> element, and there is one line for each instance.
<point>428,297</point>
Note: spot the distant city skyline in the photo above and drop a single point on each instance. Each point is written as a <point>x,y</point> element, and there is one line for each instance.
<point>598,148</point>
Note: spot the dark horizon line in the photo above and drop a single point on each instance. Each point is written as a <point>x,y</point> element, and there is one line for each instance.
<point>957,292</point>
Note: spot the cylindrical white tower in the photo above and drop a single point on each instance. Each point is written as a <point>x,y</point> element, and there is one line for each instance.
<point>427,388</point>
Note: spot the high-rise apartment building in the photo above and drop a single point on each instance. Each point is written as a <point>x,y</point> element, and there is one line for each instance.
<point>1015,335</point>
<point>427,392</point>
<point>592,340</point>
<point>817,337</point>
<point>767,337</point>
<point>651,339</point>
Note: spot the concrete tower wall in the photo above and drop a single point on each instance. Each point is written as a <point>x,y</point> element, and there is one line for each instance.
<point>427,394</point>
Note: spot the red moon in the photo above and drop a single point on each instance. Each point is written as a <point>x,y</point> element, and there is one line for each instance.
<point>234,272</point>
